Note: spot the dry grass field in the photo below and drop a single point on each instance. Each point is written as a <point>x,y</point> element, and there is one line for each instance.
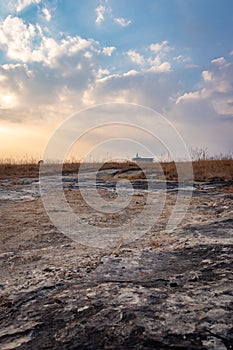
<point>203,170</point>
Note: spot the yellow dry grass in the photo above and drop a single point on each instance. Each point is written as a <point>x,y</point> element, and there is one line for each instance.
<point>203,170</point>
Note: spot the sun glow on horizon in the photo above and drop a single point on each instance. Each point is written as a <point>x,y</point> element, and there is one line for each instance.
<point>18,140</point>
<point>8,101</point>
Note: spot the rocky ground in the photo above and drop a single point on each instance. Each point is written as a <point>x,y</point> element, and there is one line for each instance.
<point>166,290</point>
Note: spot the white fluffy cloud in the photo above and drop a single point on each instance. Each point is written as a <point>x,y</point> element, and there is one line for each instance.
<point>201,116</point>
<point>104,9</point>
<point>185,61</point>
<point>205,115</point>
<point>100,12</point>
<point>40,94</point>
<point>181,59</point>
<point>122,21</point>
<point>155,62</point>
<point>16,38</point>
<point>108,50</point>
<point>48,77</point>
<point>220,61</point>
<point>22,4</point>
<point>28,43</point>
<point>152,89</point>
<point>135,57</point>
<point>69,73</point>
<point>217,88</point>
<point>160,48</point>
<point>163,67</point>
<point>47,14</point>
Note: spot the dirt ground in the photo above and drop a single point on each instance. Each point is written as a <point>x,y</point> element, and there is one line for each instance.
<point>163,291</point>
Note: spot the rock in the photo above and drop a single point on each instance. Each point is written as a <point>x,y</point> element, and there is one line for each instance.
<point>175,294</point>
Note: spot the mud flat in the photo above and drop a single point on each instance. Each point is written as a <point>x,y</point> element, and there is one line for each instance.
<point>163,291</point>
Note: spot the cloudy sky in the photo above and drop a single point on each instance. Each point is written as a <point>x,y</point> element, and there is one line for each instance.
<point>59,57</point>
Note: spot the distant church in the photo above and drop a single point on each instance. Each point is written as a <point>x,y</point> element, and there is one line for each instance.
<point>138,158</point>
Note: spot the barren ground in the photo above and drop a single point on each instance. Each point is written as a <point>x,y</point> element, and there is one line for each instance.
<point>164,291</point>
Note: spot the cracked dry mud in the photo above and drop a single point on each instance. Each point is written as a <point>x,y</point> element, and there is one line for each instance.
<point>164,291</point>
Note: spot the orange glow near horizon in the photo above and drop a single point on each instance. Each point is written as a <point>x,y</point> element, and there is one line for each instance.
<point>18,141</point>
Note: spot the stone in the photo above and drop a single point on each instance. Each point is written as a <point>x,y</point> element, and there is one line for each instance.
<point>163,291</point>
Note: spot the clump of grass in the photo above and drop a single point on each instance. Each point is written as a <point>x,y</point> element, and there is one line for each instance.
<point>14,168</point>
<point>203,170</point>
<point>169,171</point>
<point>213,170</point>
<point>18,170</point>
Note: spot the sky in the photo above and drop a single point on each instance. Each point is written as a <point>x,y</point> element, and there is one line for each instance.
<point>61,57</point>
